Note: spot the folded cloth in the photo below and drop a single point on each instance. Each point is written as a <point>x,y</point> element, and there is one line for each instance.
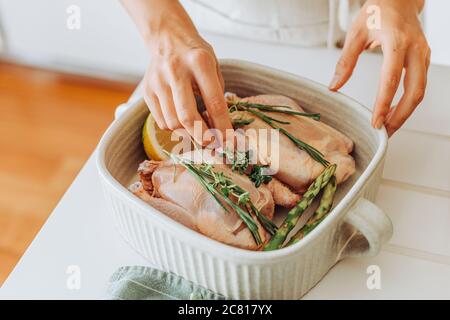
<point>146,283</point>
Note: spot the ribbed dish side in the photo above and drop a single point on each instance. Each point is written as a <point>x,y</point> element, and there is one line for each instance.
<point>289,280</point>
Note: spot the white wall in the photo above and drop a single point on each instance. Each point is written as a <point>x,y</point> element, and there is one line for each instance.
<point>108,40</point>
<point>437,28</point>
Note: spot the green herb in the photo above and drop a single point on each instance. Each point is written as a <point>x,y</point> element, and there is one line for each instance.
<point>258,177</point>
<point>240,163</point>
<point>237,123</point>
<point>239,160</point>
<point>265,117</point>
<point>222,187</point>
<point>313,152</point>
<point>267,224</point>
<point>279,109</point>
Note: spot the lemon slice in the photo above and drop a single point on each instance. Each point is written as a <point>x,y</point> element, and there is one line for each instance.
<point>156,140</point>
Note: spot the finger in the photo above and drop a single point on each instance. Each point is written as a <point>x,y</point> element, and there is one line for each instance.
<point>353,46</point>
<point>391,73</point>
<point>414,91</point>
<point>211,90</point>
<point>219,74</point>
<point>186,108</point>
<point>155,109</point>
<point>168,110</point>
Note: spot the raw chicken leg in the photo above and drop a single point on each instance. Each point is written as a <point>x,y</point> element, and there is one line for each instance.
<point>174,191</point>
<point>295,167</point>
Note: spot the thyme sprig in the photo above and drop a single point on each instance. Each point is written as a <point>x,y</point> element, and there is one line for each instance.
<point>258,177</point>
<point>240,162</point>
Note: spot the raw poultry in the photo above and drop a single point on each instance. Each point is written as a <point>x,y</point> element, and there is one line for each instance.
<point>171,188</point>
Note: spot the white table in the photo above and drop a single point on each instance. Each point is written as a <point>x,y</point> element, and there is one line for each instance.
<point>415,192</point>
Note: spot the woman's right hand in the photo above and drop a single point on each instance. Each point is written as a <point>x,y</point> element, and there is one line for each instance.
<point>181,63</point>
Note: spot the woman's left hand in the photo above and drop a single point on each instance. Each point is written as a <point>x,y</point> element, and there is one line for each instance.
<point>400,35</point>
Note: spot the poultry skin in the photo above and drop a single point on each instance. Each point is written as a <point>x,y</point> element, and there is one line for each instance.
<point>173,190</point>
<point>295,167</point>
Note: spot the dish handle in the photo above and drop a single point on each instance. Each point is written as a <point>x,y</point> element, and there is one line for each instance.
<point>365,229</point>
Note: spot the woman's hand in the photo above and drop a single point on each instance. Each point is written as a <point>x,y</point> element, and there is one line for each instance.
<point>404,46</point>
<point>181,63</point>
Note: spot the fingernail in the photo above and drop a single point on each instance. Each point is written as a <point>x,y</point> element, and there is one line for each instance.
<point>334,82</point>
<point>379,122</point>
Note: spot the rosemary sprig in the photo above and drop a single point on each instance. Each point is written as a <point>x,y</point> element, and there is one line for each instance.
<point>227,186</point>
<point>237,123</point>
<point>221,188</point>
<point>273,108</point>
<point>265,117</point>
<point>313,152</point>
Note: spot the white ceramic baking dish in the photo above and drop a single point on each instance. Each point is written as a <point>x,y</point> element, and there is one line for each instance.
<point>355,226</point>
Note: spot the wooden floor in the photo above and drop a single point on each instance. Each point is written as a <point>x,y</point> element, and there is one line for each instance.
<point>49,124</point>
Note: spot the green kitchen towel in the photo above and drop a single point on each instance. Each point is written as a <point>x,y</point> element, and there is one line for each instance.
<point>146,283</point>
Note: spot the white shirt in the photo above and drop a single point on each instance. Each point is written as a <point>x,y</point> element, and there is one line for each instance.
<point>293,22</point>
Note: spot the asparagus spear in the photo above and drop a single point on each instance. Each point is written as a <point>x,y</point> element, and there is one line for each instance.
<point>295,213</point>
<point>326,202</point>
